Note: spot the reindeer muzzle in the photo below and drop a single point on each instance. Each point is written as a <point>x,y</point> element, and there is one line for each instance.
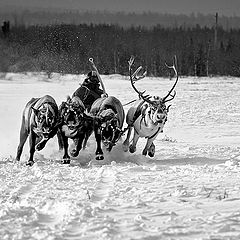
<point>46,133</point>
<point>72,125</point>
<point>161,119</point>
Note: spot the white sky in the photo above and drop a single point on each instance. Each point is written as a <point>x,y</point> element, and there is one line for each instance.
<point>223,7</point>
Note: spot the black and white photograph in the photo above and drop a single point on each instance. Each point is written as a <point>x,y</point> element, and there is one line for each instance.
<point>120,120</point>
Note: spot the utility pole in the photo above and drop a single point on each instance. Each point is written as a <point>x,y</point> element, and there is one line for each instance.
<point>215,31</point>
<point>207,60</point>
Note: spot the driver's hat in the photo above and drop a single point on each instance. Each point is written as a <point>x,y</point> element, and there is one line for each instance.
<point>92,74</point>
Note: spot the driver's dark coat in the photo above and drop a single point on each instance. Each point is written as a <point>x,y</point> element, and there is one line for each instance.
<point>88,94</point>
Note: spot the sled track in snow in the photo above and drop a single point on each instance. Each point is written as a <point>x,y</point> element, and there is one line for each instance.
<point>91,215</point>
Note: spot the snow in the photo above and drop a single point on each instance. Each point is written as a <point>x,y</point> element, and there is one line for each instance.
<point>189,190</point>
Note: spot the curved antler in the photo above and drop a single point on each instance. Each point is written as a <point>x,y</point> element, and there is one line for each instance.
<point>95,68</point>
<point>134,78</point>
<point>174,85</point>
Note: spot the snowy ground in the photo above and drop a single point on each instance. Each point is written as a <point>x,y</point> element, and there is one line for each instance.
<point>189,190</point>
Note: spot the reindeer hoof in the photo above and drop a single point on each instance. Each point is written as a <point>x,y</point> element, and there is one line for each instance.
<point>99,157</point>
<point>30,163</point>
<point>65,161</point>
<point>151,154</point>
<point>74,153</point>
<point>40,145</point>
<point>151,151</point>
<point>132,149</point>
<point>66,156</point>
<point>144,152</point>
<point>109,148</point>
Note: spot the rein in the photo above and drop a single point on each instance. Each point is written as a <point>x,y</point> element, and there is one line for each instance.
<point>130,102</point>
<point>155,133</point>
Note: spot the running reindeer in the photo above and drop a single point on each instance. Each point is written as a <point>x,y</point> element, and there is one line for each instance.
<point>75,124</point>
<point>109,117</point>
<point>148,115</point>
<point>40,123</point>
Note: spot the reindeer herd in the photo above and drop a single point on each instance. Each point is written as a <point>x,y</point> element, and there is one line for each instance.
<point>42,119</point>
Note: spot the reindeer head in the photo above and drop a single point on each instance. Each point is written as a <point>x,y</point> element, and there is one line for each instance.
<point>71,112</point>
<point>109,126</point>
<point>45,120</point>
<point>157,110</point>
<point>155,106</point>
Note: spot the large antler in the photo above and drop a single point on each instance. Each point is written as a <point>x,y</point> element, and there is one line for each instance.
<point>95,68</point>
<point>174,85</point>
<point>134,77</point>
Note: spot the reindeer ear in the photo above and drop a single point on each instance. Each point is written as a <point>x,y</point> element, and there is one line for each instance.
<point>36,111</point>
<point>68,99</point>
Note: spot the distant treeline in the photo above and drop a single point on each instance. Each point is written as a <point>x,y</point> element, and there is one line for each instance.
<point>201,51</point>
<point>25,17</point>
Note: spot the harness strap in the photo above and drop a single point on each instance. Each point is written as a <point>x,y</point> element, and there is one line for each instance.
<point>155,133</point>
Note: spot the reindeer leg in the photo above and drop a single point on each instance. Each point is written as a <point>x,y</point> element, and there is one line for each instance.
<point>66,157</point>
<point>41,144</point>
<point>78,142</point>
<point>99,152</point>
<point>87,135</point>
<point>79,145</point>
<point>23,138</point>
<point>126,142</point>
<point>60,140</point>
<point>32,142</point>
<point>85,142</point>
<point>149,148</point>
<point>132,147</point>
<point>74,152</point>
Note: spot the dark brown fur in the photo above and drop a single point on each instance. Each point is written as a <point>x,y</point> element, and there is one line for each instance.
<point>108,126</point>
<point>76,125</point>
<point>40,123</point>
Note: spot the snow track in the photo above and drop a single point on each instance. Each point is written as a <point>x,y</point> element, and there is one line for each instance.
<point>91,217</point>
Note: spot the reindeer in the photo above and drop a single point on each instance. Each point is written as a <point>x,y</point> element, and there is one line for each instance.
<point>109,118</point>
<point>148,115</point>
<point>40,123</point>
<point>75,125</point>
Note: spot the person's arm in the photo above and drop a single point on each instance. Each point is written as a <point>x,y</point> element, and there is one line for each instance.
<point>98,75</point>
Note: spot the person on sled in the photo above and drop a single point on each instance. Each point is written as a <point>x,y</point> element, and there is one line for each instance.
<point>89,90</point>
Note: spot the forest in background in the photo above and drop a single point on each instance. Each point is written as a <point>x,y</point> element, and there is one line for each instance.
<point>35,16</point>
<point>65,48</point>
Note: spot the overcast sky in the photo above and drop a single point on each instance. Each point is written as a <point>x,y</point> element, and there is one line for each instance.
<point>223,7</point>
